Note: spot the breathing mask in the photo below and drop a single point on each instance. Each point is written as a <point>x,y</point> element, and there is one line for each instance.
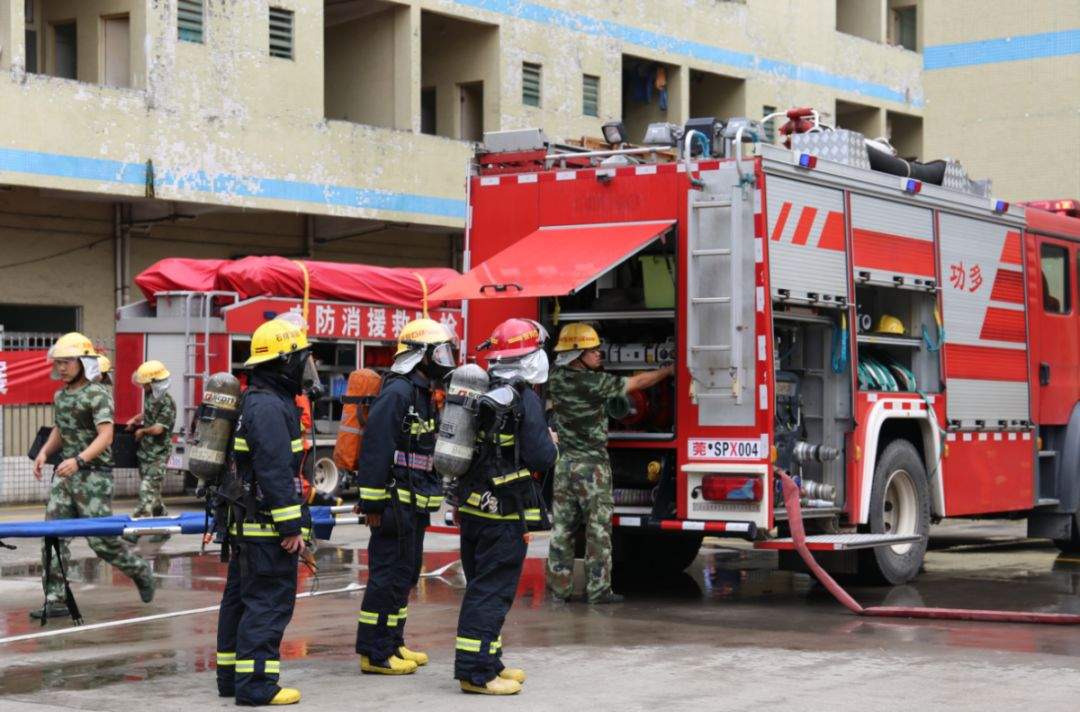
<point>159,388</point>
<point>531,368</point>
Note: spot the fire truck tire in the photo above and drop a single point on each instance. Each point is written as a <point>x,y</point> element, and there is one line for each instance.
<point>326,478</point>
<point>647,553</point>
<point>899,504</point>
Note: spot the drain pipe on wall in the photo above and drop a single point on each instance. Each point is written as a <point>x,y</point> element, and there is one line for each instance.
<point>121,253</point>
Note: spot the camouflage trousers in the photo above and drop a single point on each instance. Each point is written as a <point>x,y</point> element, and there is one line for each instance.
<point>86,494</point>
<point>151,479</point>
<point>582,495</point>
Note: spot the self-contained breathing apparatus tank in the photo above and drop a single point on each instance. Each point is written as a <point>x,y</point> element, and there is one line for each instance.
<point>363,386</point>
<point>456,440</point>
<point>215,421</point>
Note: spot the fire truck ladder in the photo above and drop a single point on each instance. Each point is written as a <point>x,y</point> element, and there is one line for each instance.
<point>198,312</point>
<point>714,293</point>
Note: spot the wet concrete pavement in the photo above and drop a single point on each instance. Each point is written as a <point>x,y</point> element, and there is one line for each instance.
<point>730,634</point>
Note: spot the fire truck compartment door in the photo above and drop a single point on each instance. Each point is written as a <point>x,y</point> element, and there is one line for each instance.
<point>808,263</point>
<point>982,297</point>
<point>553,261</point>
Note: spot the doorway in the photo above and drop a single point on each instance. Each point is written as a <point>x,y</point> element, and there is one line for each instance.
<point>116,69</point>
<point>472,111</point>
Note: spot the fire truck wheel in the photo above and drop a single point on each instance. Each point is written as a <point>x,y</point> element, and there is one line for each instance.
<point>647,553</point>
<point>326,477</point>
<point>899,504</point>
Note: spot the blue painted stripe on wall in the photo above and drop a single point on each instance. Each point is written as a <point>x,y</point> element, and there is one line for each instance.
<point>1002,49</point>
<point>104,170</point>
<point>592,26</point>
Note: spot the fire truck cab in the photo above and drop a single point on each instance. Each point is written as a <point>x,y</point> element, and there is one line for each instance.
<point>901,342</point>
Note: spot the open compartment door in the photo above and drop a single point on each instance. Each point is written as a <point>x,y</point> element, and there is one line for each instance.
<point>553,261</point>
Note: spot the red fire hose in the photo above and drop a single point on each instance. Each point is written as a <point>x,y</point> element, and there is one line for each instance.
<point>798,535</point>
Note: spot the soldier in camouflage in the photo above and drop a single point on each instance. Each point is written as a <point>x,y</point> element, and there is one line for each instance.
<point>153,430</point>
<point>578,391</point>
<point>82,482</point>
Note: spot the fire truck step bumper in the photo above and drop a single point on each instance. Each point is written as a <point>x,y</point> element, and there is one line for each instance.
<point>840,542</point>
<point>745,530</point>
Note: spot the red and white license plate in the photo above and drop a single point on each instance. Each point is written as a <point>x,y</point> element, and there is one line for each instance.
<point>727,449</point>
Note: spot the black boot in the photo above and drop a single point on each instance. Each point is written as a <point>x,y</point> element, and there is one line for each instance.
<point>54,609</point>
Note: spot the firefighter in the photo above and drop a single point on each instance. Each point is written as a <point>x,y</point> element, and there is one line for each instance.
<point>578,392</point>
<point>399,488</point>
<point>498,499</point>
<point>153,430</point>
<point>266,521</point>
<point>82,483</point>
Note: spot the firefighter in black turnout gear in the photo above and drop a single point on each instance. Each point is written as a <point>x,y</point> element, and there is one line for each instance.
<point>262,519</point>
<point>399,489</point>
<point>499,500</point>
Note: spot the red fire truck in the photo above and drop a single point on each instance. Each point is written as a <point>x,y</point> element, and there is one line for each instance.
<point>905,344</point>
<point>198,317</point>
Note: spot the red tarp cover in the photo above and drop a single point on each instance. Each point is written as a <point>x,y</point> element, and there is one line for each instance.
<point>553,261</point>
<point>179,274</point>
<point>280,277</point>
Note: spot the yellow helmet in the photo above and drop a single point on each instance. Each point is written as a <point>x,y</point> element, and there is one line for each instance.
<point>104,364</point>
<point>577,337</point>
<point>422,332</point>
<point>420,337</point>
<point>149,372</point>
<point>275,338</point>
<point>889,324</point>
<point>72,345</point>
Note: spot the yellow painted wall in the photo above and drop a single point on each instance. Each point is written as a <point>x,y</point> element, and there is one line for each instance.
<point>1016,122</point>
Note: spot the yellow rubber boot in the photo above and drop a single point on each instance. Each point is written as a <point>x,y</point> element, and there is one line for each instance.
<point>515,674</point>
<point>421,659</point>
<point>395,666</point>
<point>496,686</point>
<point>286,696</point>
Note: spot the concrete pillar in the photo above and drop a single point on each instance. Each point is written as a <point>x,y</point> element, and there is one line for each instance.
<point>678,95</point>
<point>407,68</point>
<point>12,36</point>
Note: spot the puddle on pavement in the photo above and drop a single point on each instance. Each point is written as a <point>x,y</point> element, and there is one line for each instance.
<point>771,605</point>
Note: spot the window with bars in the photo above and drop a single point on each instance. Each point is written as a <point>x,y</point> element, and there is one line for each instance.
<point>189,20</point>
<point>530,84</point>
<point>590,95</point>
<point>281,33</point>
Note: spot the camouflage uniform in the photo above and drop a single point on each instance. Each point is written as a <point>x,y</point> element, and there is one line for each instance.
<point>88,492</point>
<point>582,479</point>
<point>152,454</point>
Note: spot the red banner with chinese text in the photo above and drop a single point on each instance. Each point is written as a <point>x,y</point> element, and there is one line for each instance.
<point>336,320</point>
<point>25,378</point>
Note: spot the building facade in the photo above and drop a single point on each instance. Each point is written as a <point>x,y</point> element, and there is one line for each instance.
<point>341,129</point>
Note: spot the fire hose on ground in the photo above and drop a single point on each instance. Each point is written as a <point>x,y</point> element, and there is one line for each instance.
<point>798,536</point>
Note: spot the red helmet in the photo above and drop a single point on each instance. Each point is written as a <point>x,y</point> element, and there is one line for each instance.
<point>514,338</point>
